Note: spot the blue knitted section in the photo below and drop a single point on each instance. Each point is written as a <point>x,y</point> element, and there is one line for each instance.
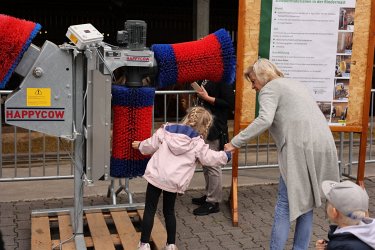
<point>18,59</point>
<point>168,71</point>
<point>132,97</point>
<point>182,129</point>
<point>121,168</point>
<point>227,53</point>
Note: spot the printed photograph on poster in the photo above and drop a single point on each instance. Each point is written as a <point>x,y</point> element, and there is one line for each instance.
<point>325,107</point>
<point>343,66</point>
<point>345,42</point>
<point>346,19</point>
<point>339,112</point>
<point>341,91</point>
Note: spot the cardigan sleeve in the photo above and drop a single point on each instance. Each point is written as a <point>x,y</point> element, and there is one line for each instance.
<point>268,102</point>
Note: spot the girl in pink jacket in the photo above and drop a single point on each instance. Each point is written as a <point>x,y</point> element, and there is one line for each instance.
<point>176,149</point>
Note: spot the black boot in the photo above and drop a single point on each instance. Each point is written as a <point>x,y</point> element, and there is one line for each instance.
<point>199,201</point>
<point>207,208</point>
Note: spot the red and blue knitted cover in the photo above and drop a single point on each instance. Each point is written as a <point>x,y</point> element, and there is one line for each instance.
<point>132,121</point>
<point>211,58</point>
<point>15,38</point>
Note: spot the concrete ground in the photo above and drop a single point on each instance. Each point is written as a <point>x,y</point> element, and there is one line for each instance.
<point>256,198</point>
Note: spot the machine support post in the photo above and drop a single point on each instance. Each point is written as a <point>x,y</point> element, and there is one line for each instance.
<point>79,154</point>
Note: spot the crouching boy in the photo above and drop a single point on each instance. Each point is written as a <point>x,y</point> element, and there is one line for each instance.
<point>347,206</point>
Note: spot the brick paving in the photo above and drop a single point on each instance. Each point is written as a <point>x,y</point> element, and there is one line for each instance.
<point>215,231</point>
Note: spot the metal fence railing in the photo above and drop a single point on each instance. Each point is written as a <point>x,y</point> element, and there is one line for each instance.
<point>29,155</point>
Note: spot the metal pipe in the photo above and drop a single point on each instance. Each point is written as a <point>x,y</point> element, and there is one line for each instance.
<point>29,132</point>
<point>6,92</point>
<point>268,146</point>
<point>30,178</point>
<point>371,124</point>
<point>177,102</point>
<point>44,154</point>
<point>257,152</point>
<point>15,151</point>
<point>58,157</point>
<point>341,153</point>
<point>165,108</point>
<point>173,92</point>
<point>350,153</point>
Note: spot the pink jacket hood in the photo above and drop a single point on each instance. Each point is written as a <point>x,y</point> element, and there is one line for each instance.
<point>180,139</point>
<point>176,150</point>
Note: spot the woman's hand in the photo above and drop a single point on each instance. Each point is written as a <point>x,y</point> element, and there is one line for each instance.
<point>321,245</point>
<point>229,147</point>
<point>203,94</point>
<point>135,144</point>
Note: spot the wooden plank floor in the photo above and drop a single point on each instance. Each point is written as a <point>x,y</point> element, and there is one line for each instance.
<point>40,234</point>
<point>112,230</point>
<point>66,231</point>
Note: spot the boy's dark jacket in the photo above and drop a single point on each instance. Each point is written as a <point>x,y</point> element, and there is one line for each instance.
<point>349,241</point>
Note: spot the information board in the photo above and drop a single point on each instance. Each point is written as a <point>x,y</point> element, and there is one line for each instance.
<point>322,43</point>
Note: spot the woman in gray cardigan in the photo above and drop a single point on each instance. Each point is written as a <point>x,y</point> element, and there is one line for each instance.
<point>306,149</point>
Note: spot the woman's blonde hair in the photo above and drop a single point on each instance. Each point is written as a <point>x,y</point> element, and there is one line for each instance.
<point>199,119</point>
<point>264,71</point>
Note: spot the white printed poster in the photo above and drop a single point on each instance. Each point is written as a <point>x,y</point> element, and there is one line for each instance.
<point>311,41</point>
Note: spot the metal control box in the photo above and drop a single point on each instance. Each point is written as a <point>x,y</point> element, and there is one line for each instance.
<point>83,35</point>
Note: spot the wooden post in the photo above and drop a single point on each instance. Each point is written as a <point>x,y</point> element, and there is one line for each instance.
<point>367,97</point>
<point>237,113</point>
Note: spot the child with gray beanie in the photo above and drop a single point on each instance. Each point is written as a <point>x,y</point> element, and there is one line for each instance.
<point>347,206</point>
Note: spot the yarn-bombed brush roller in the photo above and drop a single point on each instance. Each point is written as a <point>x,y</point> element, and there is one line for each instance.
<point>211,58</point>
<point>132,121</point>
<point>15,38</point>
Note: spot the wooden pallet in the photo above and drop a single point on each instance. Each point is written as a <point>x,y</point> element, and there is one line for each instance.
<point>112,230</point>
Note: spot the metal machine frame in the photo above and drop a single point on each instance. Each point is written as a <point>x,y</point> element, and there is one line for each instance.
<point>66,92</point>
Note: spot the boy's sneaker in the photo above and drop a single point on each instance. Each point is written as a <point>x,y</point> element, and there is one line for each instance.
<point>171,247</point>
<point>143,246</point>
<point>199,201</point>
<point>207,208</point>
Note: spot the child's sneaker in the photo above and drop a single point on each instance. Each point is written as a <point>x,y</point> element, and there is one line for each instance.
<point>171,247</point>
<point>144,246</point>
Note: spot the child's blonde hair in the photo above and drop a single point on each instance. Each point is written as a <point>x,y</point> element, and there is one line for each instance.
<point>354,218</point>
<point>199,119</point>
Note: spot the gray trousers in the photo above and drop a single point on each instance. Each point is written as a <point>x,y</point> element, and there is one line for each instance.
<point>213,177</point>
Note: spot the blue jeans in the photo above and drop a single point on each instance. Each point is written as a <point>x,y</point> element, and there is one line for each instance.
<point>281,224</point>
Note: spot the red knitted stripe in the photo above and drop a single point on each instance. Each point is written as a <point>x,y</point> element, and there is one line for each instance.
<point>130,124</point>
<point>201,59</point>
<point>144,121</point>
<point>14,34</point>
<point>120,123</point>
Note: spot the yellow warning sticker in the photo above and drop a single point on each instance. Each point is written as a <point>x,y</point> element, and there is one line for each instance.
<point>38,97</point>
